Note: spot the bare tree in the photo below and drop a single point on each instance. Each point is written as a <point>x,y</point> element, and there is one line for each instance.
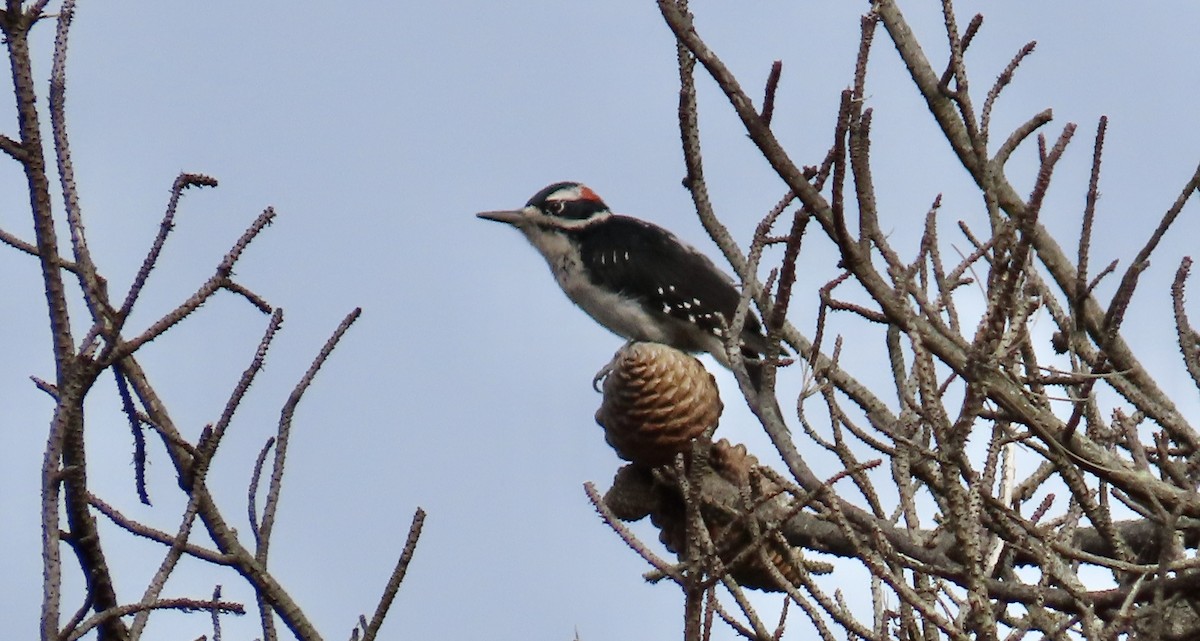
<point>110,607</point>
<point>928,501</point>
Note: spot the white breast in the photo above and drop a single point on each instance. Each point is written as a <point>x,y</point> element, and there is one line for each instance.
<point>620,315</point>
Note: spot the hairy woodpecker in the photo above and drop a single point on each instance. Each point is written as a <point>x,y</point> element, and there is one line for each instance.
<point>633,277</point>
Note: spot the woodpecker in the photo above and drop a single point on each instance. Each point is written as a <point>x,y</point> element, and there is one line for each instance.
<point>633,277</point>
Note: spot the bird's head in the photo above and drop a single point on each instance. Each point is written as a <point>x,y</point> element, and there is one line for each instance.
<point>563,206</point>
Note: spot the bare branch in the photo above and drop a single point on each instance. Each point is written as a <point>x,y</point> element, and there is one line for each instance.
<point>139,437</point>
<point>183,605</point>
<point>665,568</point>
<point>1089,215</point>
<point>243,384</point>
<point>1002,81</point>
<point>13,148</point>
<point>225,537</point>
<point>157,536</point>
<point>254,299</point>
<point>118,351</point>
<point>393,585</point>
<point>95,295</point>
<point>1019,135</point>
<point>1189,340</point>
<point>768,108</point>
<point>182,182</point>
<point>255,476</point>
<point>264,530</point>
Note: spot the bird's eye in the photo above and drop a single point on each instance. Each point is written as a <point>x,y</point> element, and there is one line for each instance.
<point>556,206</point>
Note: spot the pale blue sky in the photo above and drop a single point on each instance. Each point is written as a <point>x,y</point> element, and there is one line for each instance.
<point>377,129</point>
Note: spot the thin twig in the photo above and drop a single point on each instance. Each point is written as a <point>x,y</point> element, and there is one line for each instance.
<point>255,476</point>
<point>393,584</point>
<point>1189,340</point>
<point>182,605</point>
<point>254,299</point>
<point>768,108</point>
<point>275,487</point>
<point>224,269</point>
<point>216,614</point>
<point>1002,81</point>
<point>1019,135</point>
<point>139,437</point>
<point>13,149</point>
<point>1082,290</point>
<point>243,384</point>
<point>95,295</point>
<point>182,182</point>
<point>158,536</point>
<point>18,244</point>
<point>184,458</point>
<point>665,568</point>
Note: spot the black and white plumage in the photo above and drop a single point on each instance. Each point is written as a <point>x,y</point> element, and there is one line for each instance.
<point>633,277</point>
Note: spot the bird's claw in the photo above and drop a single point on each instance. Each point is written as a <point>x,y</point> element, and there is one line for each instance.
<point>598,379</point>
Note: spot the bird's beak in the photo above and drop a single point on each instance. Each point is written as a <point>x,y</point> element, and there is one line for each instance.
<point>513,216</point>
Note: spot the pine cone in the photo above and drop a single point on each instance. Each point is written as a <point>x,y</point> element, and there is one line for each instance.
<point>656,400</point>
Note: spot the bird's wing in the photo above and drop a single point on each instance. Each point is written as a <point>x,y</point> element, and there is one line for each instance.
<point>682,283</point>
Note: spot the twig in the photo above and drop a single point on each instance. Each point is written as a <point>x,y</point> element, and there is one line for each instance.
<point>18,244</point>
<point>185,459</point>
<point>1019,135</point>
<point>284,432</point>
<point>182,182</point>
<point>787,279</point>
<point>1124,293</point>
<point>1002,81</point>
<point>867,31</point>
<point>393,584</point>
<point>36,10</point>
<point>158,536</point>
<point>1110,268</point>
<point>118,351</point>
<point>254,299</point>
<point>80,613</point>
<point>1189,341</point>
<point>49,388</point>
<point>183,605</point>
<point>139,437</point>
<point>216,614</point>
<point>13,149</point>
<point>1085,233</point>
<point>968,36</point>
<point>243,384</point>
<point>961,95</point>
<point>94,294</point>
<point>768,108</point>
<point>281,446</point>
<point>179,543</point>
<point>666,569</point>
<point>255,476</point>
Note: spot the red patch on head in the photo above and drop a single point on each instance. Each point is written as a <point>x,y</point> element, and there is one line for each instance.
<point>585,193</point>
